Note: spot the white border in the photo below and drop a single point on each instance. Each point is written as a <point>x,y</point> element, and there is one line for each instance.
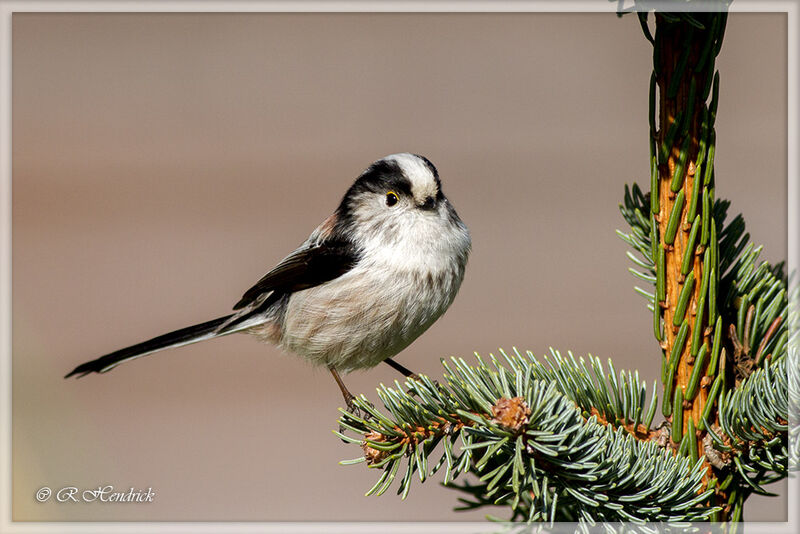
<point>7,8</point>
<point>793,251</point>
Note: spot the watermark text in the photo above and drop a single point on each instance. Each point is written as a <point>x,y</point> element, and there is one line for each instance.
<point>104,494</point>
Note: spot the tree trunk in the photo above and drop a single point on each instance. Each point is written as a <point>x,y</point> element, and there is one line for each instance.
<point>682,152</point>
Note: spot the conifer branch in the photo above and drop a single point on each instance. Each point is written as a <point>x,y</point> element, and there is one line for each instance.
<point>532,434</point>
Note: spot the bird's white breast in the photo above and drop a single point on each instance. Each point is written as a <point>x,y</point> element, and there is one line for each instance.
<point>395,292</point>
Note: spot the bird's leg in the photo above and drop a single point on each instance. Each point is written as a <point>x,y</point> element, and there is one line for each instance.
<point>348,397</point>
<point>401,369</point>
<point>406,372</point>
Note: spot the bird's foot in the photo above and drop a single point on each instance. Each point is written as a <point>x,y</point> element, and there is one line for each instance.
<point>352,408</point>
<point>438,387</point>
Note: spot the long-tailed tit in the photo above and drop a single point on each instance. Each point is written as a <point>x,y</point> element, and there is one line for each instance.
<point>366,283</point>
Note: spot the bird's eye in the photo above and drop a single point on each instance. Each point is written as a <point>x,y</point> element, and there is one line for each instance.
<point>391,198</point>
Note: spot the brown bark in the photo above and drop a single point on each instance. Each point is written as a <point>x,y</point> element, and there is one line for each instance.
<point>671,43</point>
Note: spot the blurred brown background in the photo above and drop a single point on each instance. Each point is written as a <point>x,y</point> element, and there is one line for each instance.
<point>163,162</point>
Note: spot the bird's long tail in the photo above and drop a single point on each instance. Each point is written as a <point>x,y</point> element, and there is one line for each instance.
<point>178,338</point>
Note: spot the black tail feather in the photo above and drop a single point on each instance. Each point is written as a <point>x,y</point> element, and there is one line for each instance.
<point>182,336</point>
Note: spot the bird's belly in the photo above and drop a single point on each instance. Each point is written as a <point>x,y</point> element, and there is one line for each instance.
<point>361,318</point>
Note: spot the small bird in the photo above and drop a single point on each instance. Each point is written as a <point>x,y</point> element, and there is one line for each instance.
<point>366,283</point>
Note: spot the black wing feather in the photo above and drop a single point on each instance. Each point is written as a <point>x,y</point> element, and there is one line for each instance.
<point>307,267</point>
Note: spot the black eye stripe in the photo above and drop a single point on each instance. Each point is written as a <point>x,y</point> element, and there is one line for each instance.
<point>380,177</point>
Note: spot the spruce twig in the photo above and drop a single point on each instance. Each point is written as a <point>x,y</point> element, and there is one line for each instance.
<point>533,435</point>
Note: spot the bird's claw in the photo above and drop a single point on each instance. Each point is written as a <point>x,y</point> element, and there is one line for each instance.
<point>435,383</point>
<point>352,408</point>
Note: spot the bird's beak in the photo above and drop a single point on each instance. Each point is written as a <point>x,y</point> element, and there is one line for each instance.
<point>429,204</point>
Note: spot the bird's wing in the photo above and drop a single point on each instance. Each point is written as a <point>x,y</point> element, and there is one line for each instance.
<point>321,258</point>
